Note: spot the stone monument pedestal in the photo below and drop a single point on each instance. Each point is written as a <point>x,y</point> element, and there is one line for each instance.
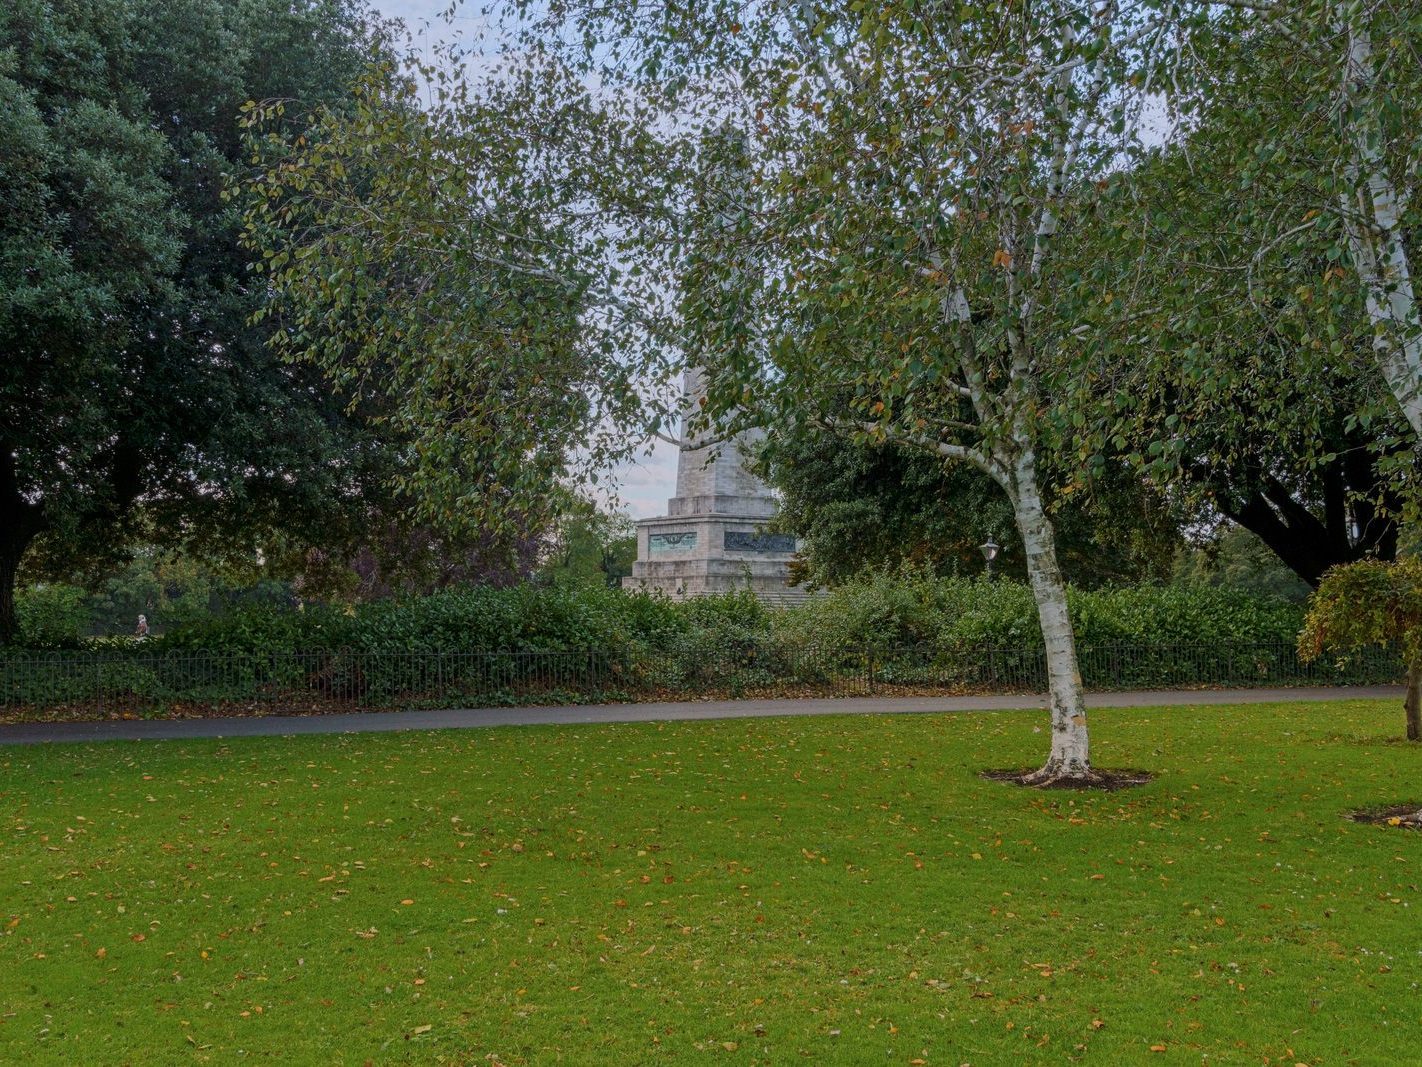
<point>712,538</point>
<point>712,553</point>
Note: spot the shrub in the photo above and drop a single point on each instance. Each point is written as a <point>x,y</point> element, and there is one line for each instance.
<point>50,616</point>
<point>883,610</point>
<point>519,619</point>
<point>888,611</point>
<point>1184,614</point>
<point>1372,603</point>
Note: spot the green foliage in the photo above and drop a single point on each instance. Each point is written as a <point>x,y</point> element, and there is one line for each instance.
<point>1237,559</point>
<point>886,611</point>
<point>1366,603</point>
<point>426,256</point>
<point>136,400</point>
<point>1232,362</point>
<point>881,610</point>
<point>1306,130</point>
<point>527,617</point>
<point>589,544</point>
<point>861,507</point>
<point>170,590</point>
<point>51,616</point>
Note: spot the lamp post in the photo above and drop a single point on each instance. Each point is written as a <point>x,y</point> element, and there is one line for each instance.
<point>989,549</point>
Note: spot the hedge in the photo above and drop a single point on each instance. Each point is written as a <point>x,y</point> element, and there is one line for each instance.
<point>881,612</point>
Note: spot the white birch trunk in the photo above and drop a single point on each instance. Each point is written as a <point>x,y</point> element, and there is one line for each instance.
<point>1372,217</point>
<point>1070,756</point>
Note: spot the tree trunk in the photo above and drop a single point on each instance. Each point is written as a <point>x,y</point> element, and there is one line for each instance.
<point>9,568</point>
<point>1413,703</point>
<point>1372,218</point>
<point>1412,707</point>
<point>1070,755</point>
<point>21,520</point>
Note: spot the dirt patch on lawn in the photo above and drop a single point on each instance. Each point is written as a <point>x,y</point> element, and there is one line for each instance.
<point>1406,816</point>
<point>1107,781</point>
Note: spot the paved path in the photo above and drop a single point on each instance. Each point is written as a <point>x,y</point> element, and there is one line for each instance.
<point>381,722</point>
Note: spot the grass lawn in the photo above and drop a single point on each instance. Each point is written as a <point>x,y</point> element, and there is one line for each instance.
<point>822,890</point>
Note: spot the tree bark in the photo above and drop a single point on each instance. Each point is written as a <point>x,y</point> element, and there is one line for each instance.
<point>1354,495</point>
<point>21,521</point>
<point>1372,218</point>
<point>9,623</point>
<point>1070,756</point>
<point>1413,703</point>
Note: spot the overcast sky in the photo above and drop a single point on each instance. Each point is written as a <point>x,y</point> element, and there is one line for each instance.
<point>643,486</point>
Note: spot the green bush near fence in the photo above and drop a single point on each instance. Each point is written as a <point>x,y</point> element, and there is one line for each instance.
<point>535,644</point>
<point>519,619</point>
<point>955,613</point>
<point>886,611</point>
<point>559,645</point>
<point>50,616</point>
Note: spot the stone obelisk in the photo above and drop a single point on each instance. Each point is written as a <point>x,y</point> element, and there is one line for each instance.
<point>712,538</point>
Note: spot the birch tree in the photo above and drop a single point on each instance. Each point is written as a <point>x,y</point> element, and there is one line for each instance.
<point>1320,102</point>
<point>895,257</point>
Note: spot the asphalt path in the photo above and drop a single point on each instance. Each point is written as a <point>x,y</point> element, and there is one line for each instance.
<point>679,711</point>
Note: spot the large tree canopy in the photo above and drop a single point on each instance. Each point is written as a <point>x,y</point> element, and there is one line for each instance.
<point>447,249</point>
<point>395,241</point>
<point>1308,110</point>
<point>1221,385</point>
<point>134,393</point>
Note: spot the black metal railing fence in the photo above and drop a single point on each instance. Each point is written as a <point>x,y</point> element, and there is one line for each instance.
<point>137,682</point>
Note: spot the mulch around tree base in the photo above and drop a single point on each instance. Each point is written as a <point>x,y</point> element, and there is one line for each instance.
<point>1108,781</point>
<point>1406,816</point>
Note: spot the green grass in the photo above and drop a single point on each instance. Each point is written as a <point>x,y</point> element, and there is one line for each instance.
<point>829,890</point>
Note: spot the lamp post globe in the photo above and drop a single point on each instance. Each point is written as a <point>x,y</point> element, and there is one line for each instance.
<point>989,549</point>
